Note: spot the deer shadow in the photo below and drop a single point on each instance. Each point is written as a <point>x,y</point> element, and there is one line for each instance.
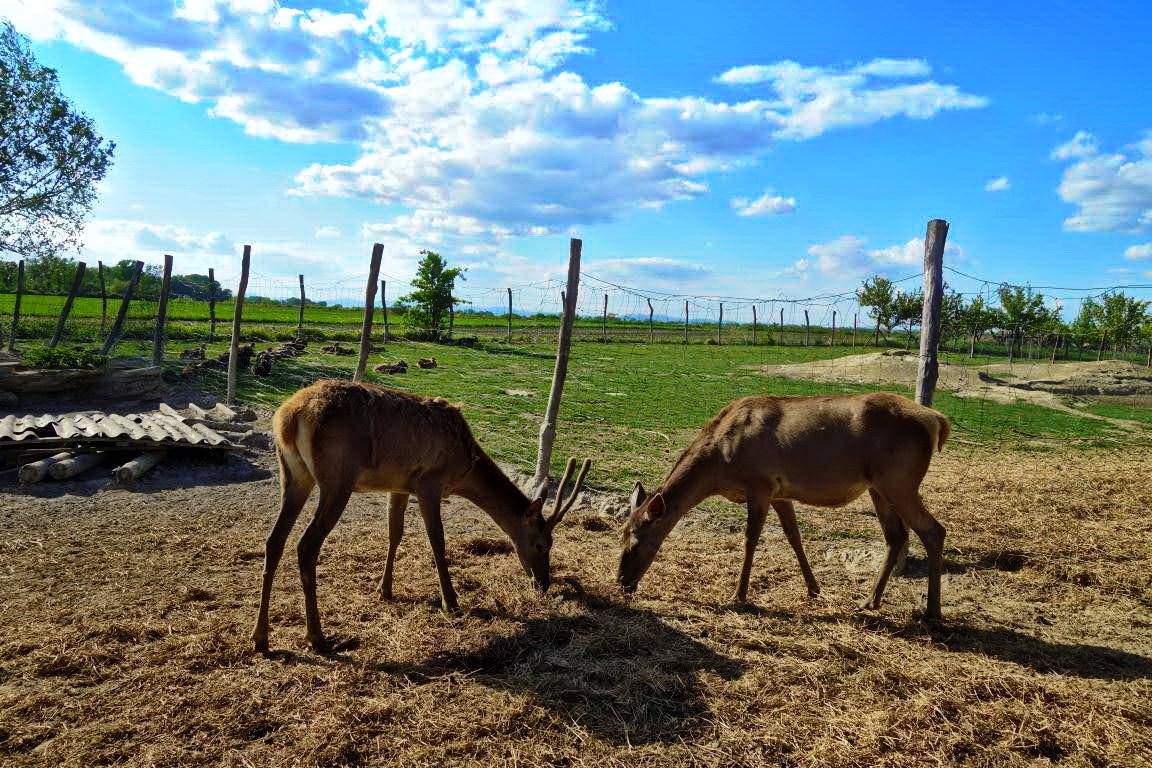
<point>621,672</point>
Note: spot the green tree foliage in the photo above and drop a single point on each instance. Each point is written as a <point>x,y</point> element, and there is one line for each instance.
<point>428,304</point>
<point>1121,317</point>
<point>51,157</point>
<point>908,308</point>
<point>879,296</point>
<point>976,317</point>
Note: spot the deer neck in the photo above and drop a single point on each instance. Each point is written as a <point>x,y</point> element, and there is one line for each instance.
<point>691,480</point>
<point>489,488</point>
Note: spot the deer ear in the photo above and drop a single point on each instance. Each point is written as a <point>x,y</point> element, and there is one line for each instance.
<point>638,496</point>
<point>655,507</point>
<point>536,507</point>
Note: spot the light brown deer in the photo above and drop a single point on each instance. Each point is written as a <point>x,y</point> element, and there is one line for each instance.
<point>347,437</point>
<point>823,450</point>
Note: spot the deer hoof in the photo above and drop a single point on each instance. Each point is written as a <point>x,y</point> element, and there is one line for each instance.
<point>260,643</point>
<point>868,604</point>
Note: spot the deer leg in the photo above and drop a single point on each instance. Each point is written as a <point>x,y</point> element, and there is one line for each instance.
<point>430,511</point>
<point>294,492</point>
<point>756,515</point>
<point>911,510</point>
<point>896,538</point>
<point>396,506</point>
<point>787,514</point>
<point>332,503</point>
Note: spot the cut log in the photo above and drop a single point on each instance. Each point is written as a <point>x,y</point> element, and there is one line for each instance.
<point>38,470</point>
<point>62,470</point>
<point>138,467</point>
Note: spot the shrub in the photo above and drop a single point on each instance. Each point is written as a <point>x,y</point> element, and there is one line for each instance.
<point>63,357</point>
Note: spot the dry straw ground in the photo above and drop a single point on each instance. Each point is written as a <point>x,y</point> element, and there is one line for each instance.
<point>125,616</point>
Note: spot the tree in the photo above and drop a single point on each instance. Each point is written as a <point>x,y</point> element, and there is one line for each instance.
<point>976,318</point>
<point>1021,311</point>
<point>427,306</point>
<point>951,315</point>
<point>878,294</point>
<point>51,157</point>
<point>908,308</point>
<point>1121,317</point>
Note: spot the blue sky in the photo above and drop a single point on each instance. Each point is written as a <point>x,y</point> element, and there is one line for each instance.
<point>737,148</point>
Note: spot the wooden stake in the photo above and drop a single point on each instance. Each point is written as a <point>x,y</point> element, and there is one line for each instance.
<point>1100,349</point>
<point>855,324</point>
<point>753,325</point>
<point>650,331</point>
<point>211,304</point>
<point>103,297</point>
<point>162,313</point>
<point>384,305</point>
<point>934,242</point>
<point>807,329</point>
<point>563,344</point>
<point>303,300</point>
<point>16,305</point>
<point>781,326</point>
<point>77,279</point>
<point>685,321</point>
<point>832,342</point>
<point>1055,348</point>
<point>122,313</point>
<point>369,305</point>
<point>604,321</point>
<point>238,313</point>
<point>720,324</point>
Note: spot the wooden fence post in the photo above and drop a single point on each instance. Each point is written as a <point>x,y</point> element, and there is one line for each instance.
<point>303,300</point>
<point>509,314</point>
<point>16,305</point>
<point>563,344</point>
<point>162,313</point>
<point>832,343</point>
<point>781,326</point>
<point>685,321</point>
<point>928,371</point>
<point>211,305</point>
<point>807,329</point>
<point>103,297</point>
<point>1100,350</point>
<point>369,306</point>
<point>238,312</point>
<point>384,306</point>
<point>77,279</point>
<point>649,319</point>
<point>855,323</point>
<point>1056,347</point>
<point>122,313</point>
<point>451,318</point>
<point>753,325</point>
<point>604,321</point>
<point>720,325</point>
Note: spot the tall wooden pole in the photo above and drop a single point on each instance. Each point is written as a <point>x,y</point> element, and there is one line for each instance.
<point>122,312</point>
<point>211,305</point>
<point>369,306</point>
<point>509,314</point>
<point>753,325</point>
<point>720,324</point>
<point>781,326</point>
<point>303,300</point>
<point>237,314</point>
<point>807,328</point>
<point>159,335</point>
<point>1100,349</point>
<point>649,319</point>
<point>548,428</point>
<point>604,320</point>
<point>103,297</point>
<point>384,305</point>
<point>934,242</point>
<point>685,321</point>
<point>77,279</point>
<point>832,343</point>
<point>855,323</point>
<point>1056,347</point>
<point>16,306</point>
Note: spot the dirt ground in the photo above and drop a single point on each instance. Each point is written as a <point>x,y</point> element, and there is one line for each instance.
<point>1035,381</point>
<point>125,618</point>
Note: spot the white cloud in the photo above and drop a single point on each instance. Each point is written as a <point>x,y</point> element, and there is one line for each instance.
<point>327,232</point>
<point>460,108</point>
<point>1139,252</point>
<point>767,204</point>
<point>1113,192</point>
<point>1083,144</point>
<point>1048,118</point>
<point>999,184</point>
<point>848,257</point>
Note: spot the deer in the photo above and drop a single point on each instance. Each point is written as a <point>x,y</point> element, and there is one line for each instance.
<point>826,451</point>
<point>347,438</point>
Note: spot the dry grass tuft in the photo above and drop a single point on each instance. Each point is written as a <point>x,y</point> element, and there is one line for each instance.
<point>125,637</point>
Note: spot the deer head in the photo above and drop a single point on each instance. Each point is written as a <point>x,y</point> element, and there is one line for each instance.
<point>533,540</point>
<point>643,533</point>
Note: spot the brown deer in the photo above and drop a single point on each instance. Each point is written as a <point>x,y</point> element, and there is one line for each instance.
<point>823,450</point>
<point>347,437</point>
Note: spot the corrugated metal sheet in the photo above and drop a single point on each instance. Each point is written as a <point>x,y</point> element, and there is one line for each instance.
<point>96,426</point>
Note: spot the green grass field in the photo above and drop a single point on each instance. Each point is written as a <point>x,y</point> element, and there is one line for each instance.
<point>632,407</point>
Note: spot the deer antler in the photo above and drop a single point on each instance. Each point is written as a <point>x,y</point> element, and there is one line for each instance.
<point>561,508</point>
